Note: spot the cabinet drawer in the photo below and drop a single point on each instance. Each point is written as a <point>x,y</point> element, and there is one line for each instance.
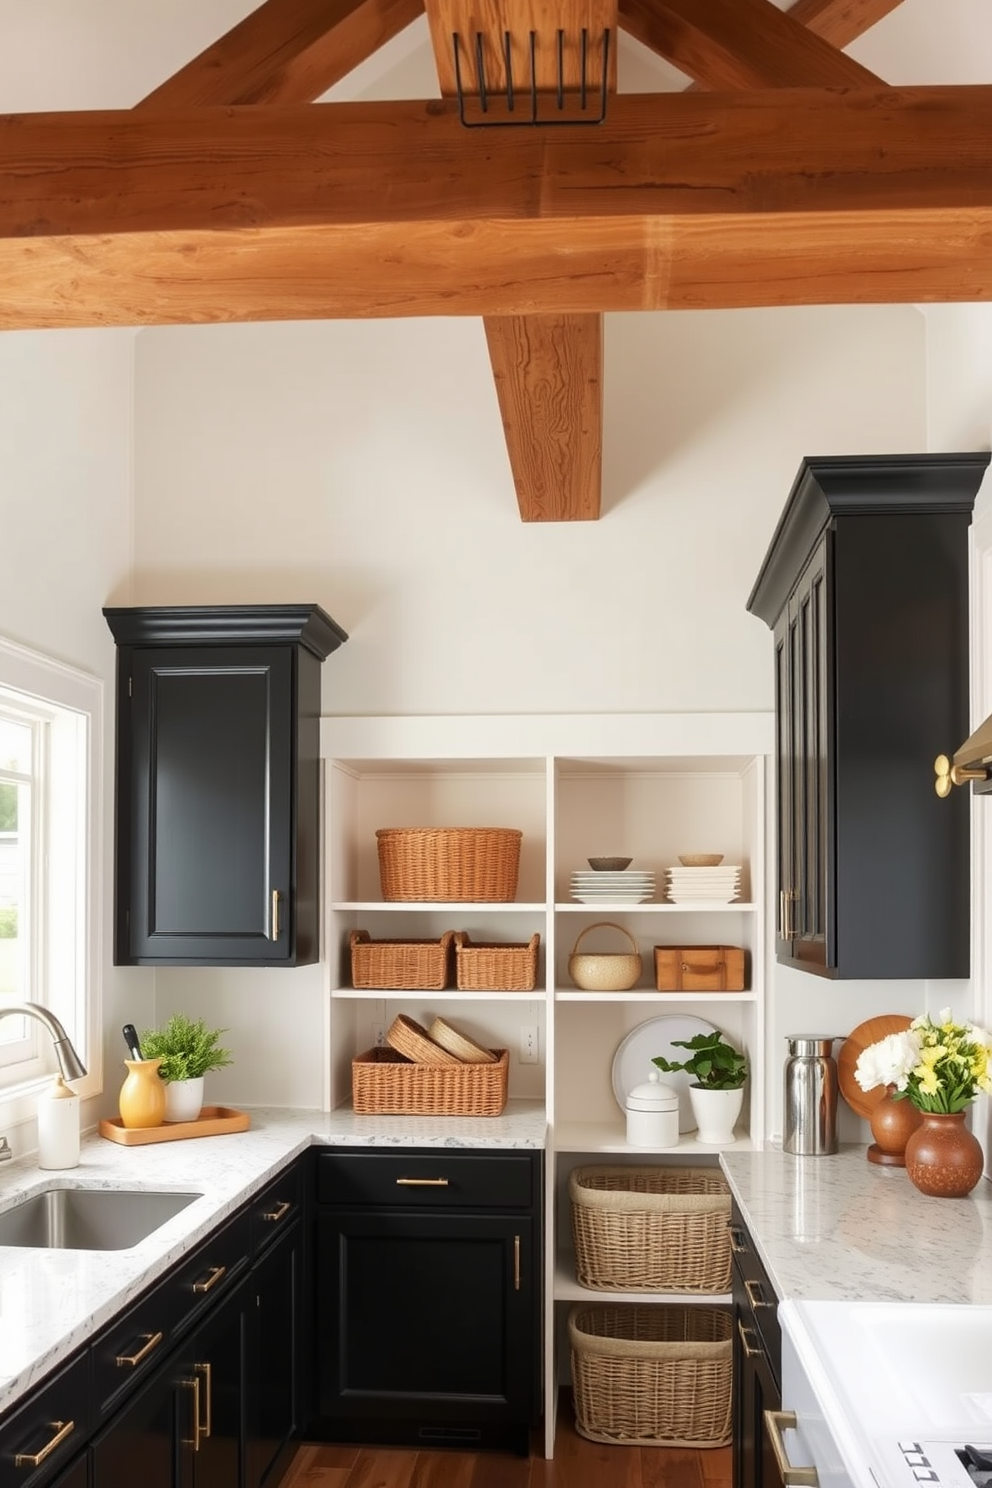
<point>46,1432</point>
<point>762,1299</point>
<point>273,1210</point>
<point>129,1348</point>
<point>441,1179</point>
<point>208,1271</point>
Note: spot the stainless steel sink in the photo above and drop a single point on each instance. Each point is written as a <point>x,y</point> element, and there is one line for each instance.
<point>89,1218</point>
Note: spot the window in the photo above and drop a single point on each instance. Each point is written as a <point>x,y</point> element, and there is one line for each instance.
<point>50,736</point>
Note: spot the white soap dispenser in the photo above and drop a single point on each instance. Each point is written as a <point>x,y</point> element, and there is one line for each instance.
<point>58,1126</point>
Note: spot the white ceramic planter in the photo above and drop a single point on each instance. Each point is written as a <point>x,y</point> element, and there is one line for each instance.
<point>716,1113</point>
<point>183,1099</point>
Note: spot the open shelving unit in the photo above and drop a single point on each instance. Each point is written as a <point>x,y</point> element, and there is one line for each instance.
<point>648,785</point>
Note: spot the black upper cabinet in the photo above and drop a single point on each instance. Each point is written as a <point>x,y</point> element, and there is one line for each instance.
<point>218,717</point>
<point>865,586</point>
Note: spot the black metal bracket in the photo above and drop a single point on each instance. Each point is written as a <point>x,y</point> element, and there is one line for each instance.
<point>532,113</point>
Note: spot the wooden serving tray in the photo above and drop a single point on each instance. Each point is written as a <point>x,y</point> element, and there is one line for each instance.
<point>213,1121</point>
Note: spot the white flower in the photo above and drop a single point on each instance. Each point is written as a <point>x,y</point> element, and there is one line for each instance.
<point>889,1062</point>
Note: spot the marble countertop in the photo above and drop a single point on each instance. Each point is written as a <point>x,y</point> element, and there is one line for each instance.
<point>51,1301</point>
<point>841,1228</point>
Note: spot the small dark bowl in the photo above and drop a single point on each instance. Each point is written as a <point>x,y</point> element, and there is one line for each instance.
<point>609,865</point>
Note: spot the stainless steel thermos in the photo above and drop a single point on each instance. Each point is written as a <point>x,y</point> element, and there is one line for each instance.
<point>810,1111</point>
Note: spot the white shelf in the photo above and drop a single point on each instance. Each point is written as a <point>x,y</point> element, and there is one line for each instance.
<point>450,994</point>
<point>661,906</point>
<point>446,906</point>
<point>567,1289</point>
<point>594,1137</point>
<point>564,994</point>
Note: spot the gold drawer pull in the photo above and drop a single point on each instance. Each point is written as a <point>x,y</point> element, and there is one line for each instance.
<point>194,1385</point>
<point>737,1242</point>
<point>62,1430</point>
<point>279,1211</point>
<point>216,1272</point>
<point>753,1289</point>
<point>793,1477</point>
<point>746,1333</point>
<point>516,1263</point>
<point>131,1361</point>
<point>204,1371</point>
<point>422,1182</point>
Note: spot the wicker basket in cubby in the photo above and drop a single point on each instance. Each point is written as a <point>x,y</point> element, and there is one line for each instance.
<point>384,1083</point>
<point>487,967</point>
<point>468,865</point>
<point>652,1375</point>
<point>412,965</point>
<point>651,1229</point>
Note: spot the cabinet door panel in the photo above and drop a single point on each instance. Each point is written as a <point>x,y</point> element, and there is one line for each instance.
<point>218,1352</point>
<point>418,1308</point>
<point>274,1390</point>
<point>152,1437</point>
<point>211,801</point>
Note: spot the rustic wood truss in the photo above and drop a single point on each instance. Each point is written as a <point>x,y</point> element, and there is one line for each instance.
<point>785,174</point>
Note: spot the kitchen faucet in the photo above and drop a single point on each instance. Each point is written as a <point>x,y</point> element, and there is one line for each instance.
<point>70,1064</point>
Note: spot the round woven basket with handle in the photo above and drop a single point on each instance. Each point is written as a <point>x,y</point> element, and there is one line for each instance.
<point>605,971</point>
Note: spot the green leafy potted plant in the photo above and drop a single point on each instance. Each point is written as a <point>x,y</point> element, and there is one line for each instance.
<point>716,1092</point>
<point>188,1050</point>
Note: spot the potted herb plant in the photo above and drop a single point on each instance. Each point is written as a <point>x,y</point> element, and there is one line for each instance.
<point>716,1092</point>
<point>188,1050</point>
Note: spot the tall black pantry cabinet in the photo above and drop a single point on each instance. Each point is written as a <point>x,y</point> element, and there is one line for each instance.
<point>865,586</point>
<point>218,717</point>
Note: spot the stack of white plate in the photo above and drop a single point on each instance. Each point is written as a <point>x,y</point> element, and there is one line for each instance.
<point>704,885</point>
<point>631,886</point>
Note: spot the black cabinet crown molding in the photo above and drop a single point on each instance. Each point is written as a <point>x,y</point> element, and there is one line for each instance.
<point>235,625</point>
<point>865,485</point>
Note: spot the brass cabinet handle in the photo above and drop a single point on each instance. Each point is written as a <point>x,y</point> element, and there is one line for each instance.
<point>948,775</point>
<point>208,1391</point>
<point>194,1385</point>
<point>753,1289</point>
<point>793,1477</point>
<point>786,899</point>
<point>279,1211</point>
<point>274,927</point>
<point>516,1263</point>
<point>216,1272</point>
<point>746,1333</point>
<point>422,1182</point>
<point>131,1361</point>
<point>738,1244</point>
<point>62,1430</point>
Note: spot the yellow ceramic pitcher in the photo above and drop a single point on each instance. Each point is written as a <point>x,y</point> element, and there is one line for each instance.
<point>142,1098</point>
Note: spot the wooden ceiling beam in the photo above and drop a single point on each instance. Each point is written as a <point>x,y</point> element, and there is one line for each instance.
<point>740,44</point>
<point>548,369</point>
<point>286,51</point>
<point>677,201</point>
<point>841,21</point>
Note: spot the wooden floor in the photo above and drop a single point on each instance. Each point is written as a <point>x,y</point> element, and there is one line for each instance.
<point>577,1464</point>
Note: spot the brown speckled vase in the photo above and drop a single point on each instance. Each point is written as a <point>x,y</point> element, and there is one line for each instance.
<point>943,1158</point>
<point>892,1124</point>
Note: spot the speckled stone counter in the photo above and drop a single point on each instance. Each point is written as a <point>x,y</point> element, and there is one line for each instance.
<point>51,1301</point>
<point>842,1228</point>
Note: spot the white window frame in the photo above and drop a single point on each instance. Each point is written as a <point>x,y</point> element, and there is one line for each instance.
<point>73,992</point>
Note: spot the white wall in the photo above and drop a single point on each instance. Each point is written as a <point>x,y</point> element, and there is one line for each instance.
<point>65,543</point>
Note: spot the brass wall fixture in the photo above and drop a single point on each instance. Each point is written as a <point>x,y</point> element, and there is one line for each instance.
<point>972,762</point>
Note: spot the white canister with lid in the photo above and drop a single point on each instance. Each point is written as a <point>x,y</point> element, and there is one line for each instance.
<point>58,1126</point>
<point>653,1114</point>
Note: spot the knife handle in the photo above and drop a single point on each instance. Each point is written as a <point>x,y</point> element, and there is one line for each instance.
<point>131,1039</point>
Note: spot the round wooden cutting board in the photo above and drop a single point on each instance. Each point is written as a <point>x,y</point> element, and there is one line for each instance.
<point>859,1039</point>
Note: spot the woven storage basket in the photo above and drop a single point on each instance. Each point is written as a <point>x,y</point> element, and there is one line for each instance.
<point>604,971</point>
<point>407,1037</point>
<point>459,1044</point>
<point>654,1376</point>
<point>495,968</point>
<point>416,965</point>
<point>651,1229</point>
<point>383,1083</point>
<point>473,865</point>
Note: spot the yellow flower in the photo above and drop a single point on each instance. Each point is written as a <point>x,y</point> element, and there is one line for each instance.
<point>927,1077</point>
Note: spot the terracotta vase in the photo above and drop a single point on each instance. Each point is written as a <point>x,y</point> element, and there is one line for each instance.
<point>892,1124</point>
<point>943,1158</point>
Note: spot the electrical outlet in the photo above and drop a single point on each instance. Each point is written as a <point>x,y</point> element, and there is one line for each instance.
<point>378,1035</point>
<point>529,1043</point>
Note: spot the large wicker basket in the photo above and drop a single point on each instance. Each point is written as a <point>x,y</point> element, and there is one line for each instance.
<point>651,1229</point>
<point>414,965</point>
<point>485,967</point>
<point>383,1083</point>
<point>469,865</point>
<point>656,1375</point>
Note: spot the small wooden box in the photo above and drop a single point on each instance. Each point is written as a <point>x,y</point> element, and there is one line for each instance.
<point>699,968</point>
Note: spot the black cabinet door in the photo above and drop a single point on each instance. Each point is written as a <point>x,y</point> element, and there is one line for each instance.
<point>210,804</point>
<point>76,1476</point>
<point>425,1317</point>
<point>153,1439</point>
<point>273,1394</point>
<point>218,1354</point>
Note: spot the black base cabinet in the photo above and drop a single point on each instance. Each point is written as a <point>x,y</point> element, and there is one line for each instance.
<point>426,1289</point>
<point>757,1362</point>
